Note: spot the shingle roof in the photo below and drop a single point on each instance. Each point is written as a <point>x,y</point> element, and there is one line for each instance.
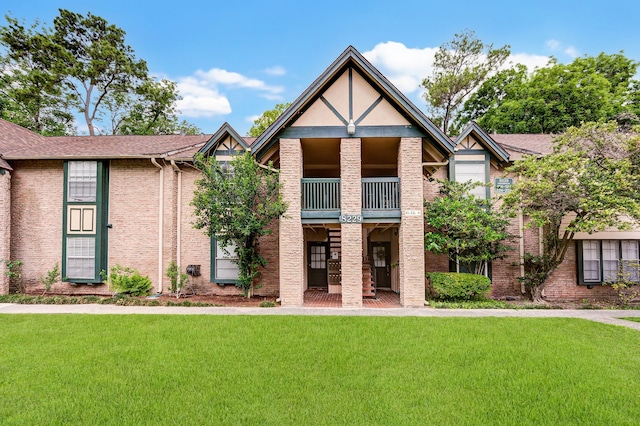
<point>109,147</point>
<point>518,145</point>
<point>13,136</point>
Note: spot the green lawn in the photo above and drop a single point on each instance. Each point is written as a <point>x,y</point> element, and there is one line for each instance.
<point>145,369</point>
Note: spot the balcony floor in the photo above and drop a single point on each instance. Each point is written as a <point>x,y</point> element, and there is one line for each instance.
<point>322,299</point>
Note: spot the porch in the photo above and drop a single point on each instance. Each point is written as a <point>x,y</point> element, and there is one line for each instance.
<point>317,298</point>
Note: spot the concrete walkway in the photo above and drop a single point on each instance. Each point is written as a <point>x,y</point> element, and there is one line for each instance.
<point>603,316</point>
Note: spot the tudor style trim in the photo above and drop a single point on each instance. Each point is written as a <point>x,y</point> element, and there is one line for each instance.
<point>351,57</point>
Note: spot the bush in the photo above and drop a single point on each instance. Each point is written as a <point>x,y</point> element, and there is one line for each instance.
<point>127,281</point>
<point>457,286</point>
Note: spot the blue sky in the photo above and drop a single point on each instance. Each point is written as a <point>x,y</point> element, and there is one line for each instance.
<point>235,59</point>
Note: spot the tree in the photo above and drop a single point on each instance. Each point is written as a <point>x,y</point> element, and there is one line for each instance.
<point>460,66</point>
<point>267,118</point>
<point>590,182</point>
<point>466,228</point>
<point>235,205</point>
<point>554,98</point>
<point>151,110</point>
<point>30,94</point>
<point>82,64</point>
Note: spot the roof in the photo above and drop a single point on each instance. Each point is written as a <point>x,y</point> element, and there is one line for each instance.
<point>495,148</point>
<point>133,146</point>
<point>224,131</point>
<point>352,57</point>
<point>518,145</point>
<point>13,136</point>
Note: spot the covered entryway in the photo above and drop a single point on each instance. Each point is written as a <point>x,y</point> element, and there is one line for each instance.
<point>381,259</point>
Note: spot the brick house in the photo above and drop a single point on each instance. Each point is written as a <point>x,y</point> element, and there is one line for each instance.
<point>357,159</point>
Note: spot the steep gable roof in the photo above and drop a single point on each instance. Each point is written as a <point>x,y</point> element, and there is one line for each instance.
<point>351,57</point>
<point>494,148</point>
<point>223,132</point>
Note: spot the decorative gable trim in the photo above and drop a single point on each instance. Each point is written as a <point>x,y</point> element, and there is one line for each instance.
<point>220,136</point>
<point>494,148</point>
<point>351,57</point>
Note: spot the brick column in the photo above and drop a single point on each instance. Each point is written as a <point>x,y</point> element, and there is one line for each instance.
<point>290,229</point>
<point>411,232</point>
<point>351,203</point>
<point>5,228</point>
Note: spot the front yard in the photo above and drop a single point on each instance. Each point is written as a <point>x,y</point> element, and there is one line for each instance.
<point>147,369</point>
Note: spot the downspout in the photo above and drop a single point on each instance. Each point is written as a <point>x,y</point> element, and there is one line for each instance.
<point>160,222</point>
<point>521,227</point>
<point>178,214</point>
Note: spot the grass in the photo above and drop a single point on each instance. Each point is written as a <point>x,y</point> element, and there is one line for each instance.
<point>146,369</point>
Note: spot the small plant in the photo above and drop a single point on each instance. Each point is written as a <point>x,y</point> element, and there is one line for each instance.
<point>176,279</point>
<point>126,281</point>
<point>627,286</point>
<point>52,277</point>
<point>267,304</point>
<point>457,286</point>
<point>14,272</point>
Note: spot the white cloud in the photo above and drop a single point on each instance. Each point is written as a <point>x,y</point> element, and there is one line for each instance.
<point>405,67</point>
<point>201,95</point>
<point>252,118</point>
<point>556,46</point>
<point>571,52</point>
<point>553,44</point>
<point>277,70</point>
<point>531,61</point>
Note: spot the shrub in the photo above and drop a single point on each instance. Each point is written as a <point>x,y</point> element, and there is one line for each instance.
<point>52,277</point>
<point>176,279</point>
<point>14,272</point>
<point>457,286</point>
<point>127,281</point>
<point>267,304</point>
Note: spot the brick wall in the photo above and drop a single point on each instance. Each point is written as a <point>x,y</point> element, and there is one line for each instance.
<point>36,219</point>
<point>5,228</point>
<point>351,233</point>
<point>411,231</point>
<point>291,237</point>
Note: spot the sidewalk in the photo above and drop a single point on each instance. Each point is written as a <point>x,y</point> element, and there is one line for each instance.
<point>604,316</point>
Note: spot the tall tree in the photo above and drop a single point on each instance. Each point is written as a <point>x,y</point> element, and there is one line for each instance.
<point>235,205</point>
<point>267,118</point>
<point>466,228</point>
<point>556,97</point>
<point>84,64</point>
<point>151,110</point>
<point>589,183</point>
<point>30,93</point>
<point>460,66</point>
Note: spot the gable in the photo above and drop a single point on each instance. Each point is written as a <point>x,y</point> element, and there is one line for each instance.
<point>351,97</point>
<point>352,89</point>
<point>225,143</point>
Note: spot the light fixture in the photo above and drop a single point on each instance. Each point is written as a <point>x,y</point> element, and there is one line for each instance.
<point>351,127</point>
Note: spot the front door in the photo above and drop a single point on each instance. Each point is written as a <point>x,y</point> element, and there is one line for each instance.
<point>317,264</point>
<point>381,256</point>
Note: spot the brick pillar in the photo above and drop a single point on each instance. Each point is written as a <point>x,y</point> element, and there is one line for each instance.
<point>5,228</point>
<point>290,229</point>
<point>351,203</point>
<point>411,232</point>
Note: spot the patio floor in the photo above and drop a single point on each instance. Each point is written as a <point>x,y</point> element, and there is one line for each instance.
<point>316,298</point>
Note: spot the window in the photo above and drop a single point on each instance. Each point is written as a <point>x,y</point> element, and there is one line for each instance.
<point>474,168</point>
<point>84,233</point>
<point>224,267</point>
<point>607,261</point>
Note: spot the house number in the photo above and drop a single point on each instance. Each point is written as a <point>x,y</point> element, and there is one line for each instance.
<point>351,218</point>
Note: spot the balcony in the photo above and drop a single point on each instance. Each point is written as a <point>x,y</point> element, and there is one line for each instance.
<point>321,199</point>
<point>381,198</point>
